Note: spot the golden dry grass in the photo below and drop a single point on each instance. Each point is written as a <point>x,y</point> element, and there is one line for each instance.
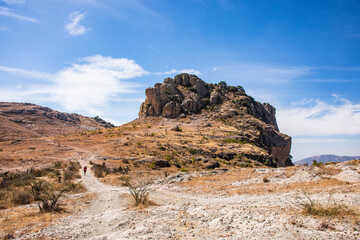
<point>251,182</point>
<point>29,219</point>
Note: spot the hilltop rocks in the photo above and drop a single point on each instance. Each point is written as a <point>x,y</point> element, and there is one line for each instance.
<point>188,94</point>
<point>181,95</point>
<point>256,122</point>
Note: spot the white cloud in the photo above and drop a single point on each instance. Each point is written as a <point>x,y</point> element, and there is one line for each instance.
<point>85,86</point>
<point>74,27</point>
<point>9,13</point>
<point>14,1</point>
<point>318,118</point>
<point>95,81</point>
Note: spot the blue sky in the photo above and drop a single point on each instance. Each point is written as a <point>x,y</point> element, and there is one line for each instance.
<point>96,57</point>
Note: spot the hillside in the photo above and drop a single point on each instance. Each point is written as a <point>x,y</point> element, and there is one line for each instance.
<point>211,126</point>
<point>24,120</point>
<point>325,159</point>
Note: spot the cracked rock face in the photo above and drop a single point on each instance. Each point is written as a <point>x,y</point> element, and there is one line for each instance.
<point>187,94</point>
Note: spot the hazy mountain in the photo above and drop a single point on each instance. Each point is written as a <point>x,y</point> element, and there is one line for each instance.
<point>325,159</point>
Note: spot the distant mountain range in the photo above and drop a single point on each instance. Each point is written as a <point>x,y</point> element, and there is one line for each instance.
<point>325,159</point>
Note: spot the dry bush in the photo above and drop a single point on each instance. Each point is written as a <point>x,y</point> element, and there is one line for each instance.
<point>47,196</point>
<point>22,197</point>
<point>100,170</point>
<point>324,209</point>
<point>140,192</point>
<point>68,175</point>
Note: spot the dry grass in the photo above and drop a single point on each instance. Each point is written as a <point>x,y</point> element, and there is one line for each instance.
<point>29,219</point>
<point>251,182</point>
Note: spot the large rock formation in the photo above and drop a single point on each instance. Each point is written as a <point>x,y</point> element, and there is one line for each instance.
<point>187,94</point>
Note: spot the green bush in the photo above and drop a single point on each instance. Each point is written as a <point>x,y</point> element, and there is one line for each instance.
<point>317,164</point>
<point>183,170</point>
<point>192,151</point>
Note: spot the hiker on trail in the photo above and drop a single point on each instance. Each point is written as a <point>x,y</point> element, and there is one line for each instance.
<point>85,168</point>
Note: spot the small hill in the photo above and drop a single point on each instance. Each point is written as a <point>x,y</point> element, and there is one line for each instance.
<point>24,120</point>
<point>326,159</point>
<point>218,107</point>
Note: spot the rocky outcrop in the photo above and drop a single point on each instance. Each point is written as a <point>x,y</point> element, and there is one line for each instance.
<point>187,94</point>
<point>183,94</point>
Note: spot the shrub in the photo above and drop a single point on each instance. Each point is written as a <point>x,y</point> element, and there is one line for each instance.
<point>183,170</point>
<point>140,192</point>
<point>98,172</point>
<point>266,180</point>
<point>46,195</point>
<point>317,164</point>
<point>68,175</point>
<point>22,197</point>
<point>192,151</point>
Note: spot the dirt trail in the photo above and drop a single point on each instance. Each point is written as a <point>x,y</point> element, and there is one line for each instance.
<point>95,221</point>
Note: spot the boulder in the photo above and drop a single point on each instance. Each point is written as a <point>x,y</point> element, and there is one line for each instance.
<point>212,164</point>
<point>214,98</point>
<point>171,110</point>
<point>162,163</point>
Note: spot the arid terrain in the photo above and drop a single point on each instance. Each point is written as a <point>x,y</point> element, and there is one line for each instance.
<point>216,165</point>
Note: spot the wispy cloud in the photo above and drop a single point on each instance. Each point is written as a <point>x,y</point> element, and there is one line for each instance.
<point>85,86</point>
<point>9,13</point>
<point>318,118</point>
<point>10,2</point>
<point>74,27</point>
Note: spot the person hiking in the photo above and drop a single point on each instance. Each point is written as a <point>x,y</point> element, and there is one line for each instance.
<point>85,168</point>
